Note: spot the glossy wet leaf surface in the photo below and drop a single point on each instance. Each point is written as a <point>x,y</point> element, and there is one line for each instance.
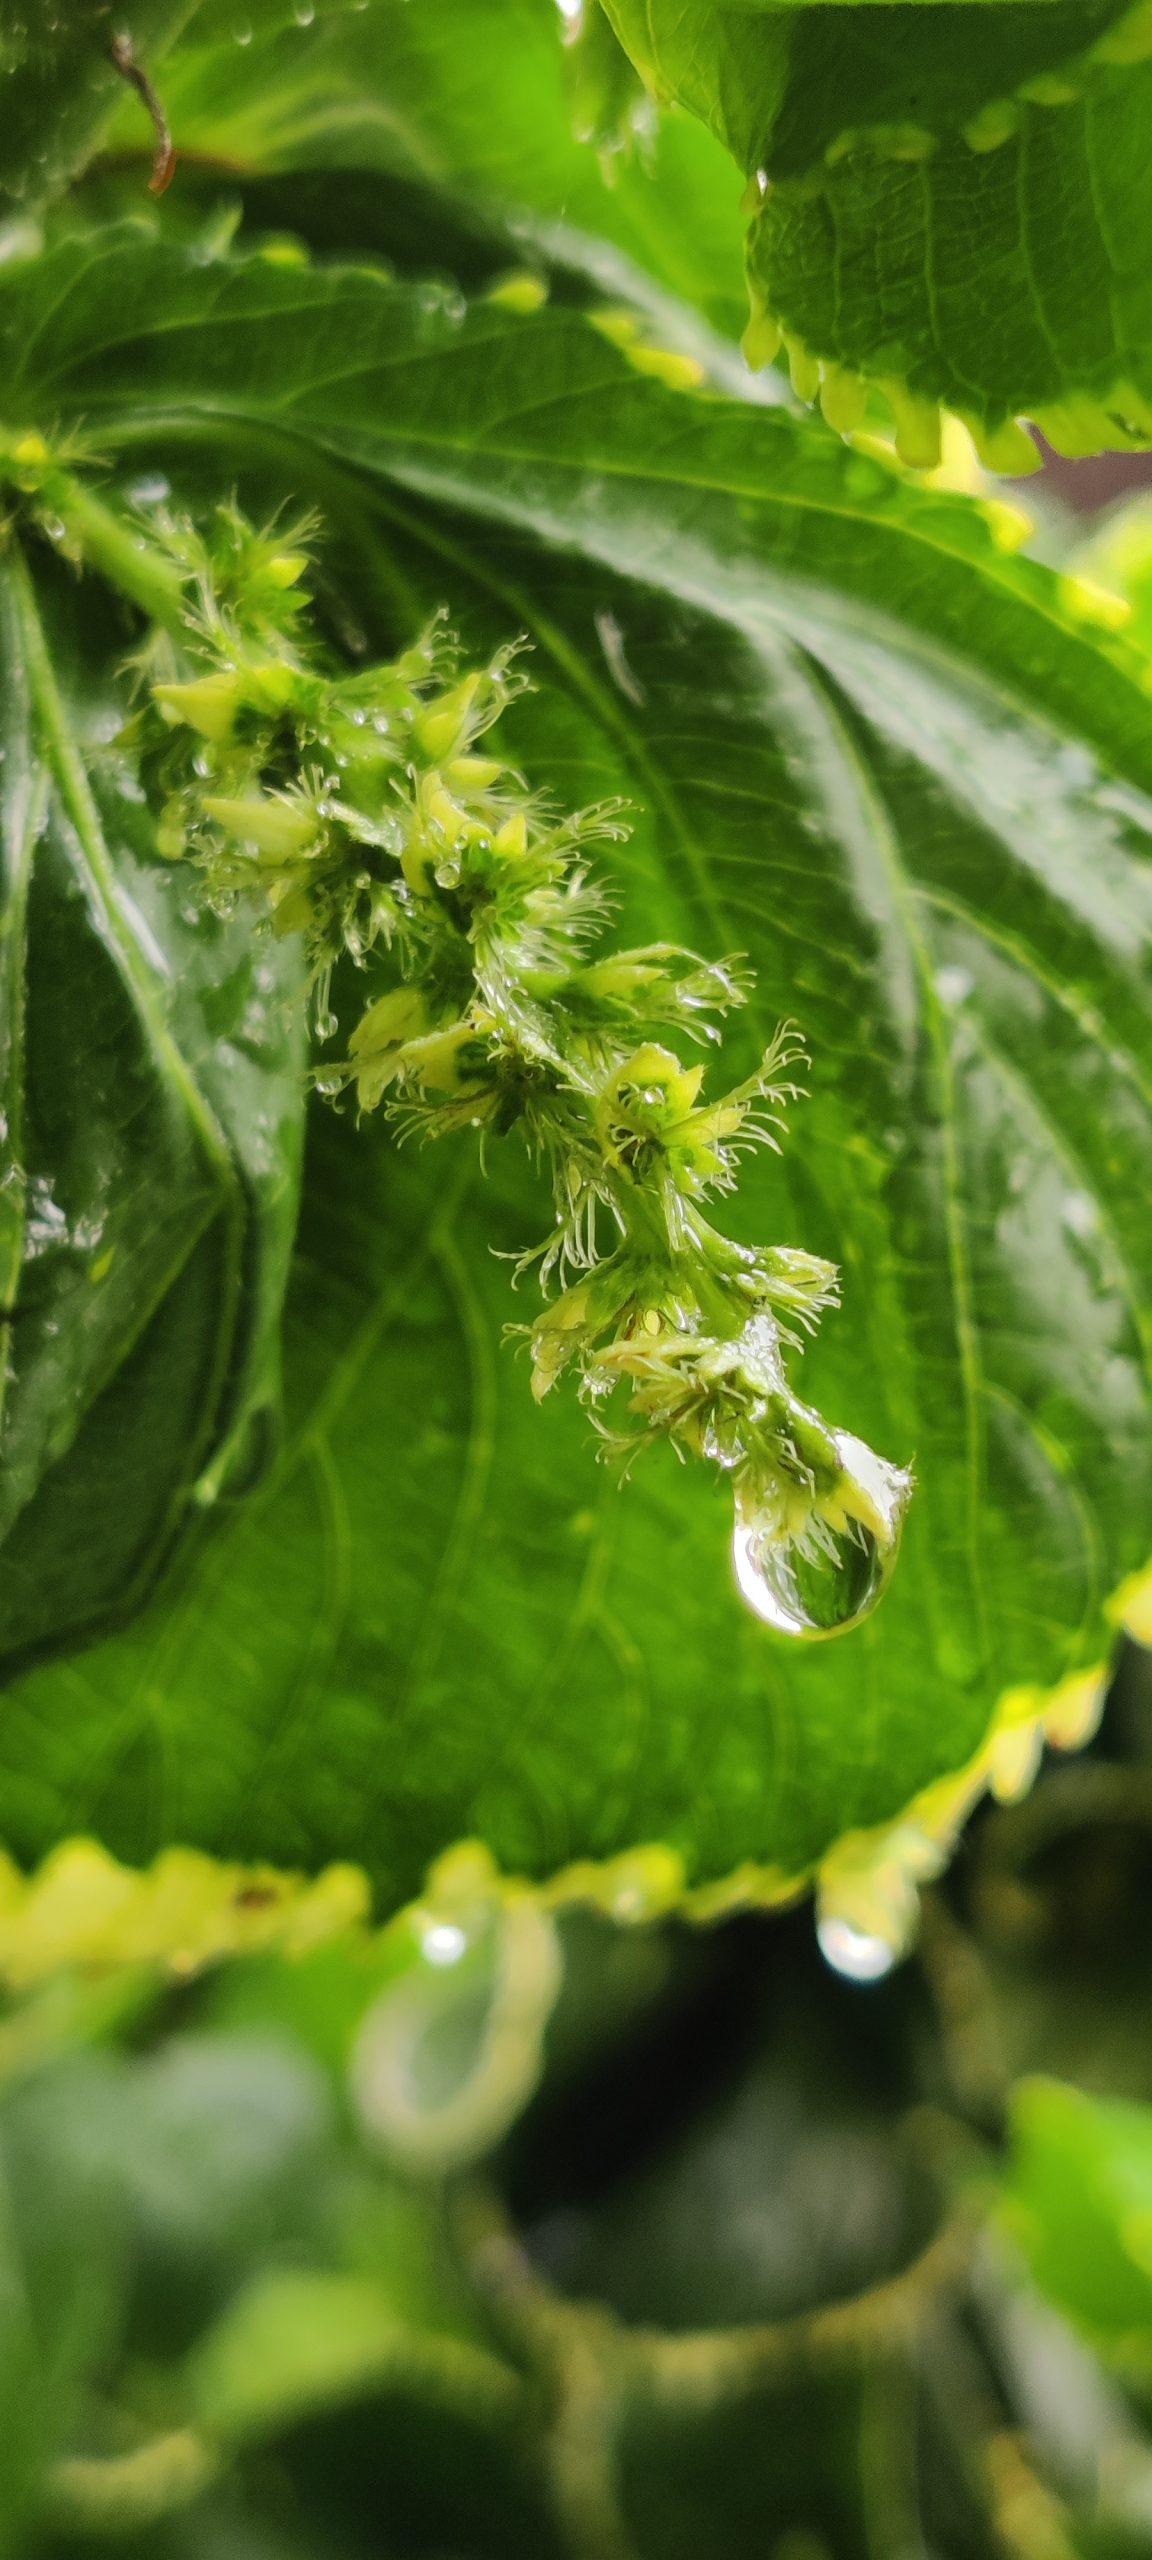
<point>928,830</point>
<point>60,88</point>
<point>784,86</point>
<point>473,100</point>
<point>150,1150</point>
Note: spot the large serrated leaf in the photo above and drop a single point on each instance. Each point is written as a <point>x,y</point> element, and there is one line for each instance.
<point>927,824</point>
<point>1013,280</point>
<point>957,201</point>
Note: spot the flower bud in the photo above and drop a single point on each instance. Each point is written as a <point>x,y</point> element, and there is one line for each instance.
<point>512,837</point>
<point>208,703</point>
<point>271,687</point>
<point>32,459</point>
<point>401,1015</point>
<point>377,1043</point>
<point>443,727</point>
<point>443,812</point>
<point>473,773</point>
<point>279,828</point>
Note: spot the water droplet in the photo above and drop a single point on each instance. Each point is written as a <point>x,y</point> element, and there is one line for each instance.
<point>443,1942</point>
<point>149,491</point>
<point>814,1578</point>
<point>810,1591</point>
<point>854,1952</point>
<point>1079,1213</point>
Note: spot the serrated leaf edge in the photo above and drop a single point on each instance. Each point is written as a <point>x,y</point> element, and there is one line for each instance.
<point>187,1911</point>
<point>1084,422</point>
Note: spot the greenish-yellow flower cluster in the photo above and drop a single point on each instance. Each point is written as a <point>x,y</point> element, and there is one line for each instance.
<point>373,813</point>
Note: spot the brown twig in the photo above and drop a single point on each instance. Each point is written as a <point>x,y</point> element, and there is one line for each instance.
<point>164,161</point>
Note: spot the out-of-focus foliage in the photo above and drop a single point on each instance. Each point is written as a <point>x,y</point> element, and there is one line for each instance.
<point>1081,2207</point>
<point>731,2255</point>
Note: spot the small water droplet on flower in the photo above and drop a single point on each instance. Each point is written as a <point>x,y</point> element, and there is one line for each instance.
<point>443,1942</point>
<point>854,1952</point>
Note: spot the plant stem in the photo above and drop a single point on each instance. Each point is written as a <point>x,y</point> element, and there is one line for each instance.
<point>73,518</point>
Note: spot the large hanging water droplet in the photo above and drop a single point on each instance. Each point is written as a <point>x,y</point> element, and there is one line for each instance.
<point>854,1952</point>
<point>818,1579</point>
<point>809,1590</point>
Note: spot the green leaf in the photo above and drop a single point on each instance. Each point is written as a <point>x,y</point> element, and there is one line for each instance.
<point>999,282</point>
<point>1078,2201</point>
<point>471,98</point>
<point>294,2343</point>
<point>62,2270</point>
<point>957,204</point>
<point>928,827</point>
<point>150,1079</point>
<point>782,86</point>
<point>61,86</point>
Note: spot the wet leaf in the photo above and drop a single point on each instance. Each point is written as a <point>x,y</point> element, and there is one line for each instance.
<point>61,87</point>
<point>927,826</point>
<point>150,1064</point>
<point>956,205</point>
<point>471,104</point>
